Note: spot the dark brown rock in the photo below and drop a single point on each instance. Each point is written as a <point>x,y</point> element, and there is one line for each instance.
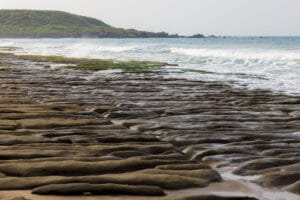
<point>103,189</point>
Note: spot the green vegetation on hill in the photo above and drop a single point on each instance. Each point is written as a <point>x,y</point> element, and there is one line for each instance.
<point>58,24</point>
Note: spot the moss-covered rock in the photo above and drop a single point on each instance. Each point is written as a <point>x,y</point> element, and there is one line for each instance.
<point>97,64</point>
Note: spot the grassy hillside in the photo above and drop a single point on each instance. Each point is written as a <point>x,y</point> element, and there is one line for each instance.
<point>56,24</point>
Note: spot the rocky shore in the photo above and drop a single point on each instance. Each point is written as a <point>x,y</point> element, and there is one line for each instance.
<point>138,135</point>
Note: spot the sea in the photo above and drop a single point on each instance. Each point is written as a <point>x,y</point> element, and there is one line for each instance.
<point>271,63</point>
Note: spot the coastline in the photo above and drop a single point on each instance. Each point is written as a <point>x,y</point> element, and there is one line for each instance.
<point>246,63</point>
<point>66,114</point>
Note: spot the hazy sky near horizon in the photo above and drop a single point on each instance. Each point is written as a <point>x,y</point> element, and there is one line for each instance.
<point>220,17</point>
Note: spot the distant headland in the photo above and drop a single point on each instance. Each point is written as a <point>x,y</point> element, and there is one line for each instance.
<point>58,24</point>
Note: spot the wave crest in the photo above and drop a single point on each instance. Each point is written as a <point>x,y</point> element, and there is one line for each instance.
<point>238,53</point>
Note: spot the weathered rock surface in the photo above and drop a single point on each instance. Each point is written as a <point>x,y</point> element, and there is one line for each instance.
<point>295,187</point>
<point>18,198</point>
<point>82,188</point>
<point>74,128</point>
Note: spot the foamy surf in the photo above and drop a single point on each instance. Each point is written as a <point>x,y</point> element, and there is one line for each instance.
<point>254,63</point>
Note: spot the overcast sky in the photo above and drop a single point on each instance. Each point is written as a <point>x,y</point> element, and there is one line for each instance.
<point>220,17</point>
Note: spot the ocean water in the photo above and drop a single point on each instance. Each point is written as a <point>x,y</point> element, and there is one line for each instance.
<point>249,62</point>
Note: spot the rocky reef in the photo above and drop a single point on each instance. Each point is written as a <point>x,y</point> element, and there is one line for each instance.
<point>66,131</point>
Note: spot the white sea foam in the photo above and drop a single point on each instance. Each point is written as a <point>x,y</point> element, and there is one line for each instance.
<point>241,58</point>
<point>238,53</point>
<point>258,191</point>
<point>270,63</point>
<point>74,50</point>
<point>230,176</point>
<point>296,133</point>
<point>4,43</point>
<point>98,48</point>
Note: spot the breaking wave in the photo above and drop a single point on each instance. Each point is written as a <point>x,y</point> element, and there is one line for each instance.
<point>267,63</point>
